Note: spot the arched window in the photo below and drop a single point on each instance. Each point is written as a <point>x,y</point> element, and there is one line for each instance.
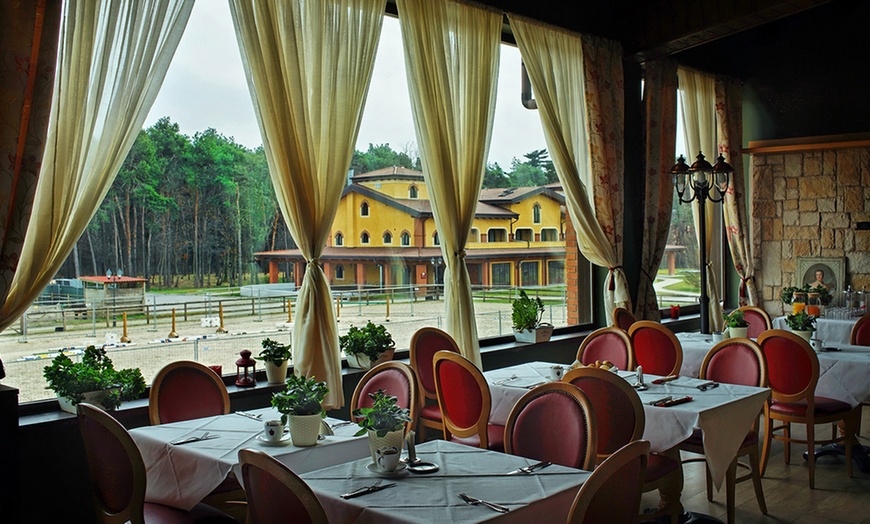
<point>474,235</point>
<point>435,240</point>
<point>364,209</point>
<point>412,192</point>
<point>364,238</point>
<point>496,235</point>
<point>536,214</point>
<point>388,237</point>
<point>339,239</point>
<point>406,239</point>
<point>339,272</point>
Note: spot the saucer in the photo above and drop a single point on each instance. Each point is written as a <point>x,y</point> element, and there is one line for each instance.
<point>284,440</point>
<point>400,470</point>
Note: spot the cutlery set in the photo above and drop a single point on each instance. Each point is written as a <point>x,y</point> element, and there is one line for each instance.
<point>707,385</point>
<point>505,380</point>
<point>528,470</point>
<point>666,402</point>
<point>254,416</point>
<point>365,490</point>
<point>188,440</point>
<point>475,502</point>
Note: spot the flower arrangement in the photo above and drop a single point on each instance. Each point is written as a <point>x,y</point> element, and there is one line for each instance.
<point>274,352</point>
<point>371,341</point>
<point>526,313</point>
<point>801,321</point>
<point>302,396</point>
<point>95,372</point>
<point>383,416</point>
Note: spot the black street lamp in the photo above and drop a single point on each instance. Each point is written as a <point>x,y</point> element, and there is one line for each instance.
<point>114,279</point>
<point>436,263</point>
<point>701,178</point>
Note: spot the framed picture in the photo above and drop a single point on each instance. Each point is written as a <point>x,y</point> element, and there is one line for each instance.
<point>829,272</point>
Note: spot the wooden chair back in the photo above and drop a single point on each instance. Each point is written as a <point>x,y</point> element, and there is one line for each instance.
<point>185,390</point>
<point>656,348</point>
<point>463,396</point>
<point>395,378</point>
<point>758,319</point>
<point>612,493</point>
<point>607,343</point>
<point>276,494</point>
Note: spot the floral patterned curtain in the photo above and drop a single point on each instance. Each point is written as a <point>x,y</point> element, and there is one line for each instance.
<point>729,117</point>
<point>660,108</point>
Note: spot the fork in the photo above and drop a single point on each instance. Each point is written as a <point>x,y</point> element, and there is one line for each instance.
<point>475,502</point>
<point>204,436</point>
<point>504,380</point>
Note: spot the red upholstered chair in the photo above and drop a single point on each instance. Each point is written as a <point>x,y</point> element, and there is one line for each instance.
<point>734,361</point>
<point>758,319</point>
<point>275,493</point>
<point>425,343</point>
<point>186,390</point>
<point>860,335</point>
<point>793,372</point>
<point>620,419</point>
<point>553,422</point>
<point>608,343</point>
<point>118,476</point>
<point>612,493</point>
<point>623,318</point>
<point>395,378</point>
<point>655,347</point>
<point>465,402</point>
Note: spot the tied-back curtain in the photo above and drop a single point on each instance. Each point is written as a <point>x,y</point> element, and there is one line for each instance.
<point>452,58</point>
<point>112,61</point>
<point>309,64</point>
<point>699,116</point>
<point>660,107</point>
<point>28,54</point>
<point>580,102</point>
<point>729,112</point>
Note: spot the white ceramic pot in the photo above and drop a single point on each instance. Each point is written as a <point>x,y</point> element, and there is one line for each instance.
<point>91,397</point>
<point>304,429</point>
<point>534,336</point>
<point>804,334</point>
<point>392,439</point>
<point>361,361</point>
<point>737,332</point>
<point>276,374</point>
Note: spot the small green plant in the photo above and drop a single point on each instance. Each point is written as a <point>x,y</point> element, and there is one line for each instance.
<point>95,372</point>
<point>274,352</point>
<point>371,341</point>
<point>383,416</point>
<point>526,313</point>
<point>801,321</point>
<point>735,319</point>
<point>301,396</point>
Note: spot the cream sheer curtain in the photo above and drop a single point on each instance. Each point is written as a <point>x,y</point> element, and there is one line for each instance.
<point>660,115</point>
<point>112,60</point>
<point>699,115</point>
<point>309,64</point>
<point>729,112</point>
<point>452,58</point>
<point>561,79</point>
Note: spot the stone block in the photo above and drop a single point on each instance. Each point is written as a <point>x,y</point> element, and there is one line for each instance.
<point>767,229</point>
<point>763,208</point>
<point>790,204</point>
<point>801,248</point>
<point>788,266</point>
<point>767,293</point>
<point>809,218</point>
<point>791,183</point>
<point>771,258</point>
<point>790,218</point>
<point>812,165</point>
<point>800,232</point>
<point>757,160</point>
<point>827,239</point>
<point>794,165</point>
<point>775,159</point>
<point>848,167</point>
<point>861,240</point>
<point>812,187</point>
<point>826,205</point>
<point>848,240</point>
<point>854,200</point>
<point>835,220</point>
<point>779,188</point>
<point>807,204</point>
<point>829,162</point>
<point>776,227</point>
<point>860,280</point>
<point>763,187</point>
<point>859,262</point>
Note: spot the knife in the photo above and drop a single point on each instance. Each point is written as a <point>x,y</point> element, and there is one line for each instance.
<point>193,439</point>
<point>527,470</point>
<point>665,379</point>
<point>249,415</point>
<point>707,385</point>
<point>366,490</point>
<point>674,402</point>
<point>661,400</point>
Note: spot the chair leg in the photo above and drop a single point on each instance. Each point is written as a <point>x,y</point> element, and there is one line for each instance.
<point>730,485</point>
<point>756,481</point>
<point>709,482</point>
<point>811,448</point>
<point>765,450</point>
<point>786,432</point>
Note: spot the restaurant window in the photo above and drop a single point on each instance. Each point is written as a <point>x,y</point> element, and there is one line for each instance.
<point>525,234</point>
<point>501,274</point>
<point>412,192</point>
<point>549,235</point>
<point>555,272</point>
<point>339,239</point>
<point>364,209</point>
<point>536,214</point>
<point>388,237</point>
<point>339,272</point>
<point>435,240</point>
<point>529,274</point>
<point>496,235</point>
<point>364,238</point>
<point>406,238</point>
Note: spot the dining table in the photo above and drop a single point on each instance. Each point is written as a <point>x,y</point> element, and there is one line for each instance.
<point>828,330</point>
<point>724,413</point>
<point>180,474</point>
<point>546,495</point>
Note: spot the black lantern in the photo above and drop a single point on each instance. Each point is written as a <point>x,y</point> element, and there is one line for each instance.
<point>246,369</point>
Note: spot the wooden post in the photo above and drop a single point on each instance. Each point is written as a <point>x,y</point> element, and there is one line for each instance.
<point>387,319</point>
<point>221,328</point>
<point>289,310</point>
<point>173,334</point>
<point>124,338</point>
<point>338,309</point>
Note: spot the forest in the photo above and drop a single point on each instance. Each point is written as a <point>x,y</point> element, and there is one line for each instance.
<point>198,208</point>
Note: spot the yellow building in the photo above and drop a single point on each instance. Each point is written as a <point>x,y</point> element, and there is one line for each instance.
<point>384,235</point>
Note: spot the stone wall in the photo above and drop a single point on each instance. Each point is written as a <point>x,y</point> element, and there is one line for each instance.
<point>807,204</point>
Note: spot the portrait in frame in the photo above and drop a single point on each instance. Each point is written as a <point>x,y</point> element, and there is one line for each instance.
<point>818,271</point>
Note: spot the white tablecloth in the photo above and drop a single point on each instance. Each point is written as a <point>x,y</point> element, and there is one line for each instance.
<point>828,330</point>
<point>725,413</point>
<point>182,475</point>
<point>843,375</point>
<point>545,496</point>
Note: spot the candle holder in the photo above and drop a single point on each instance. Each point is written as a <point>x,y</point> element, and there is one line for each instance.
<point>246,369</point>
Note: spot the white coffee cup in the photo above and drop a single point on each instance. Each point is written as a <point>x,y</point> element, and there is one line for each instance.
<point>556,372</point>
<point>273,430</point>
<point>817,344</point>
<point>387,459</point>
<point>718,337</point>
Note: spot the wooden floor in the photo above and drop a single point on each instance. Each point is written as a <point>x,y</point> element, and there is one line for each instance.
<point>837,498</point>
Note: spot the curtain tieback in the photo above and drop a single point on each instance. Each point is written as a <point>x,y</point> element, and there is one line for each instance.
<point>314,261</point>
<point>742,289</point>
<point>647,275</point>
<point>612,285</point>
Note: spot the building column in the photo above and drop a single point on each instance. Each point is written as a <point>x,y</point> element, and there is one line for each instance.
<point>487,272</point>
<point>298,270</point>
<point>273,271</point>
<point>329,271</point>
<point>360,270</point>
<point>572,255</point>
<point>420,279</point>
<point>388,274</point>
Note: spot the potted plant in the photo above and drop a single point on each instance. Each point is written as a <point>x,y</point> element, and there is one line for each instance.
<point>526,314</point>
<point>736,324</point>
<point>367,347</point>
<point>384,422</point>
<point>275,356</point>
<point>300,404</point>
<point>94,380</point>
<point>802,324</point>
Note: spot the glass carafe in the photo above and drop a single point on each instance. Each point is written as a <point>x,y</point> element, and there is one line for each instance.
<point>814,304</point>
<point>798,302</point>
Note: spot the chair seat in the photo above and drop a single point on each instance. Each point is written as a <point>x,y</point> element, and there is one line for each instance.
<point>658,466</point>
<point>494,433</point>
<point>695,443</point>
<point>431,412</point>
<point>824,406</point>
<point>200,514</point>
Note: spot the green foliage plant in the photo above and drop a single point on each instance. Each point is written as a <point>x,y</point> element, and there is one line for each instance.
<point>383,416</point>
<point>371,340</point>
<point>735,319</point>
<point>95,372</point>
<point>301,396</point>
<point>274,352</point>
<point>801,321</point>
<point>526,312</point>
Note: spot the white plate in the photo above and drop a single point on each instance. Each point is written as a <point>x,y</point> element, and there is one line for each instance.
<point>284,440</point>
<point>400,470</point>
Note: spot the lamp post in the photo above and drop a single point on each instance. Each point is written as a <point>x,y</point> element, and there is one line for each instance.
<point>114,279</point>
<point>701,178</point>
<point>436,263</point>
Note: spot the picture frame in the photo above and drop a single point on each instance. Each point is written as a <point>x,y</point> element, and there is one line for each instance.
<point>834,269</point>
